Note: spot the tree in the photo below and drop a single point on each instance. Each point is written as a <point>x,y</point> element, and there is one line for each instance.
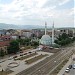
<point>13,47</point>
<point>64,36</point>
<point>73,38</point>
<point>34,43</point>
<point>63,39</point>
<point>24,41</point>
<point>56,41</point>
<point>2,53</point>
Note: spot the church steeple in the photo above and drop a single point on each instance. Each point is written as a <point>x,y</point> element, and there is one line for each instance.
<point>45,28</point>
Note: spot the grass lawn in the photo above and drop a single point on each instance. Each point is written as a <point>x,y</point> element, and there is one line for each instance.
<point>35,59</point>
<point>5,73</point>
<point>27,56</point>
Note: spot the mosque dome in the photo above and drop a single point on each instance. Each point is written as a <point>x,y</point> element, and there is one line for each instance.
<point>46,40</point>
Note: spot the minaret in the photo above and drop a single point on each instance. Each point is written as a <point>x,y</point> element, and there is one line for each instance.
<point>45,27</point>
<point>53,34</point>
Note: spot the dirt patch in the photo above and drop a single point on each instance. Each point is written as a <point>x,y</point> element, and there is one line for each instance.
<point>51,50</point>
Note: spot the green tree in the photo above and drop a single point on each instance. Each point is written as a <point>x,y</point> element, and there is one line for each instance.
<point>34,43</point>
<point>24,41</point>
<point>63,39</point>
<point>73,39</point>
<point>2,53</point>
<point>14,47</point>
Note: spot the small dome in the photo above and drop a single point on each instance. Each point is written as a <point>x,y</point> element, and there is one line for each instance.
<point>46,40</point>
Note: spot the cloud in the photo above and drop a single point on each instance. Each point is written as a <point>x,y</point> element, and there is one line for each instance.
<point>20,8</point>
<point>34,10</point>
<point>29,7</point>
<point>63,2</point>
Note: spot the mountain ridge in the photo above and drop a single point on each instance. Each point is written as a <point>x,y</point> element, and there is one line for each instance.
<point>13,26</point>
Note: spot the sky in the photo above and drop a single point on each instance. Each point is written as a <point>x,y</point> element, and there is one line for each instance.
<point>37,12</point>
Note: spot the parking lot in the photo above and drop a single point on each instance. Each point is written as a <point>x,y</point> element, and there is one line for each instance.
<point>72,69</point>
<point>66,70</point>
<point>22,58</point>
<point>72,72</point>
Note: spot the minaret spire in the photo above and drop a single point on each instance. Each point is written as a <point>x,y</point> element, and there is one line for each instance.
<point>53,33</point>
<point>45,27</point>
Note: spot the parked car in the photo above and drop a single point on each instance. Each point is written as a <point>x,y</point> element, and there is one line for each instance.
<point>21,54</point>
<point>29,52</point>
<point>15,57</point>
<point>21,51</point>
<point>2,61</point>
<point>10,58</point>
<point>70,66</point>
<point>25,54</point>
<point>73,66</point>
<point>67,70</point>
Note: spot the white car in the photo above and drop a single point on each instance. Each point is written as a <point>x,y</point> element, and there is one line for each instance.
<point>10,58</point>
<point>67,70</point>
<point>73,66</point>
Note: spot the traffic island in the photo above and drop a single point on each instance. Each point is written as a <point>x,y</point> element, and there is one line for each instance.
<point>35,59</point>
<point>13,64</point>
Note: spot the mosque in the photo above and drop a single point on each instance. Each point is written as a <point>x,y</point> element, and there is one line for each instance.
<point>46,40</point>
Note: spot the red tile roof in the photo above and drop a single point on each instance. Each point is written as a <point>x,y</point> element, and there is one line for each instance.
<point>4,43</point>
<point>5,37</point>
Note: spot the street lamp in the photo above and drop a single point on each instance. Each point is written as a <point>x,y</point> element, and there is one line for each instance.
<point>39,72</point>
<point>55,61</point>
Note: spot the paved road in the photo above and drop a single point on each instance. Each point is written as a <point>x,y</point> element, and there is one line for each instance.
<point>46,66</point>
<point>72,71</point>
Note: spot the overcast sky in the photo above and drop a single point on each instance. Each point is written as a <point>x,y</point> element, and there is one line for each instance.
<point>36,12</point>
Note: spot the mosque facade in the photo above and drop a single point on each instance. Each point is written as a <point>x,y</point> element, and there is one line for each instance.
<point>46,39</point>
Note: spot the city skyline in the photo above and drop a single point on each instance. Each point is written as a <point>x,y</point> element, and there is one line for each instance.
<point>36,12</point>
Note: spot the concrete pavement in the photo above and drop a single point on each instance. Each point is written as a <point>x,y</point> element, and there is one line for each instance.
<point>44,67</point>
<point>22,66</point>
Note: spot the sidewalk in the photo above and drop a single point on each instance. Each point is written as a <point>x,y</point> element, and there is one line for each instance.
<point>64,68</point>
